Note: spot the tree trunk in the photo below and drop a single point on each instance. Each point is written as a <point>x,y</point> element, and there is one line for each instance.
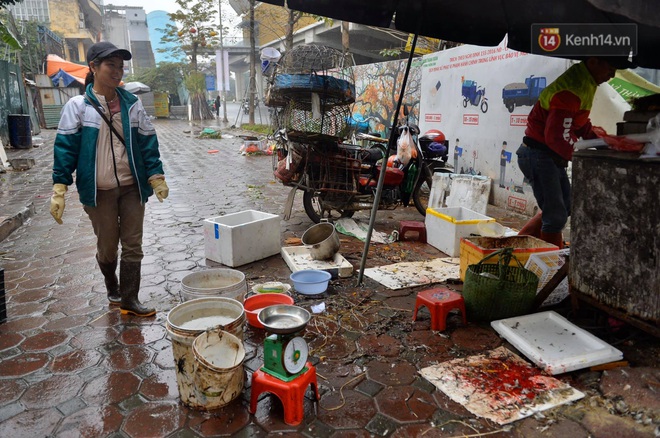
<point>288,39</point>
<point>345,42</point>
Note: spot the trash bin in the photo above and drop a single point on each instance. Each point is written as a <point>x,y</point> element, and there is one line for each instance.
<point>20,134</point>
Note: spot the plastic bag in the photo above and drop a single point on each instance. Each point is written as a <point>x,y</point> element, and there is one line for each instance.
<point>618,143</point>
<point>405,148</point>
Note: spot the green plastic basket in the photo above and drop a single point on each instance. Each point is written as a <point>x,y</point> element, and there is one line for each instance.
<point>497,291</point>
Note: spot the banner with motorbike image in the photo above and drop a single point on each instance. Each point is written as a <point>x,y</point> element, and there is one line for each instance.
<point>480,97</point>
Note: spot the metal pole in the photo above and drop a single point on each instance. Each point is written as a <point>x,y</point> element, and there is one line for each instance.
<point>223,91</point>
<point>381,176</point>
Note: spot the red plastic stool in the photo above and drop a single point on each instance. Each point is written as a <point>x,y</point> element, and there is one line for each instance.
<point>291,394</point>
<point>440,301</point>
<point>420,227</point>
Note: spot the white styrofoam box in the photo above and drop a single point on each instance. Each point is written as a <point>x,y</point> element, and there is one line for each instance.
<point>239,238</point>
<point>446,226</point>
<point>459,190</point>
<point>555,344</point>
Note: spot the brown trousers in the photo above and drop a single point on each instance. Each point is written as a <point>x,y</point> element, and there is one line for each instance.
<point>118,217</point>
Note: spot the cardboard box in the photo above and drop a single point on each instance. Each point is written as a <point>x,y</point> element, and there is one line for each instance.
<point>446,226</point>
<point>473,249</point>
<point>239,238</point>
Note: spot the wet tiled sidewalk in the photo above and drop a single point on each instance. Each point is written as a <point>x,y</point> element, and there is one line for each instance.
<point>71,366</point>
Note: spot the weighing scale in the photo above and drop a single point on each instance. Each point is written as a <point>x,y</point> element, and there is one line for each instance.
<point>286,372</point>
<point>285,352</point>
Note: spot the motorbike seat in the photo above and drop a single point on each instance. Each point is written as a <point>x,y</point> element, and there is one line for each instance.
<point>393,177</point>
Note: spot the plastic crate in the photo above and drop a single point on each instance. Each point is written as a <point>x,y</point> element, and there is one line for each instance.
<point>473,249</point>
<point>446,226</point>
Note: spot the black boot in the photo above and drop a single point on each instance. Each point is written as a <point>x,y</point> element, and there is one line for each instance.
<point>109,271</point>
<point>129,287</point>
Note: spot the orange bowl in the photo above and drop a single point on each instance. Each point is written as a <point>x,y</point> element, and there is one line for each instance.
<point>255,303</point>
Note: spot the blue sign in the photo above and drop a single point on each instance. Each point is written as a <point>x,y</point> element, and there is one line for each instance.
<point>210,83</point>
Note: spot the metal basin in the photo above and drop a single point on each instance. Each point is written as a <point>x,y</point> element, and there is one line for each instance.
<point>283,319</point>
<point>322,241</point>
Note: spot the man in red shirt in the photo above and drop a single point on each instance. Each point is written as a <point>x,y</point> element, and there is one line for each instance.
<point>556,122</point>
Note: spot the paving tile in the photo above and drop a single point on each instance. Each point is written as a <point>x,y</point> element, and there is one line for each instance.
<point>352,434</point>
<point>10,410</point>
<point>66,322</point>
<point>91,338</point>
<point>638,387</point>
<point>74,361</point>
<point>44,341</point>
<point>226,421</point>
<point>381,425</point>
<point>476,339</point>
<point>31,423</point>
<point>52,391</point>
<point>10,340</point>
<point>379,345</point>
<point>29,296</point>
<point>23,365</point>
<point>346,409</point>
<point>128,358</point>
<point>142,335</point>
<point>602,424</point>
<point>270,414</point>
<point>155,419</point>
<point>97,421</point>
<point>559,427</point>
<point>71,406</point>
<point>405,404</point>
<point>160,386</point>
<point>11,390</point>
<point>111,388</point>
<point>391,373</point>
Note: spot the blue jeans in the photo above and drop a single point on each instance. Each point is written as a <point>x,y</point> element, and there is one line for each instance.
<point>551,186</point>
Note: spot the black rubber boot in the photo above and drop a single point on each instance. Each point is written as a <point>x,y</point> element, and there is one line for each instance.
<point>129,287</point>
<point>109,271</point>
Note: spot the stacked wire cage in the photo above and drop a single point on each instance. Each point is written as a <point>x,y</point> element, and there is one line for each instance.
<point>313,90</point>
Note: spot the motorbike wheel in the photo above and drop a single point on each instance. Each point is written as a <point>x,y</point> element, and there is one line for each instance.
<point>422,193</point>
<point>314,209</point>
<point>484,107</point>
<point>465,102</point>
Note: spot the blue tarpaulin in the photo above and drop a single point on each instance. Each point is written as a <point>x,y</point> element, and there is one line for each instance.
<point>62,77</point>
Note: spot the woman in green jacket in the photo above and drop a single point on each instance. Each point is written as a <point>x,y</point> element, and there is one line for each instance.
<point>106,137</point>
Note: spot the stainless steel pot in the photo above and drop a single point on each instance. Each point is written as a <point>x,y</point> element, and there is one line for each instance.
<point>322,241</point>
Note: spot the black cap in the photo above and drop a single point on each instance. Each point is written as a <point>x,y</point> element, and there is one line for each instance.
<point>618,62</point>
<point>105,49</point>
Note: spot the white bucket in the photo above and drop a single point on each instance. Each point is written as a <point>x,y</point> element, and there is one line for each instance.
<point>187,321</point>
<point>219,376</point>
<point>220,282</point>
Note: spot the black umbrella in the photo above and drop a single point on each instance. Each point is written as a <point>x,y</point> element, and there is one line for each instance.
<point>486,23</point>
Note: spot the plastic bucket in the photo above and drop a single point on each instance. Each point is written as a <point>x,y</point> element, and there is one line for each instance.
<point>20,135</point>
<point>221,282</point>
<point>219,376</point>
<point>187,321</point>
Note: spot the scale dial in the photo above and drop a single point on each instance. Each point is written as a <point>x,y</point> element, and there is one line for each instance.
<point>295,355</point>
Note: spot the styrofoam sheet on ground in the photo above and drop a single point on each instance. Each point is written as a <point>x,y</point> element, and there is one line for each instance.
<point>499,385</point>
<point>409,274</point>
<point>298,258</point>
<point>555,344</point>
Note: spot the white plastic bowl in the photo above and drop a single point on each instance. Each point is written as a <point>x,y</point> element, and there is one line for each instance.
<point>310,281</point>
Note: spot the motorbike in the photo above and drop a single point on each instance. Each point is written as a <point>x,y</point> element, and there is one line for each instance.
<point>245,106</point>
<point>339,179</point>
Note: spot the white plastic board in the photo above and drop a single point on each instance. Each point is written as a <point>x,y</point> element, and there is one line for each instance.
<point>298,258</point>
<point>555,344</point>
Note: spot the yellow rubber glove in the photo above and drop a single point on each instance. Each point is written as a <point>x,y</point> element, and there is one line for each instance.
<point>57,202</point>
<point>160,188</point>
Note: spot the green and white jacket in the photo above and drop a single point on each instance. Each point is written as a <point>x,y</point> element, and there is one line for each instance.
<point>76,144</point>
